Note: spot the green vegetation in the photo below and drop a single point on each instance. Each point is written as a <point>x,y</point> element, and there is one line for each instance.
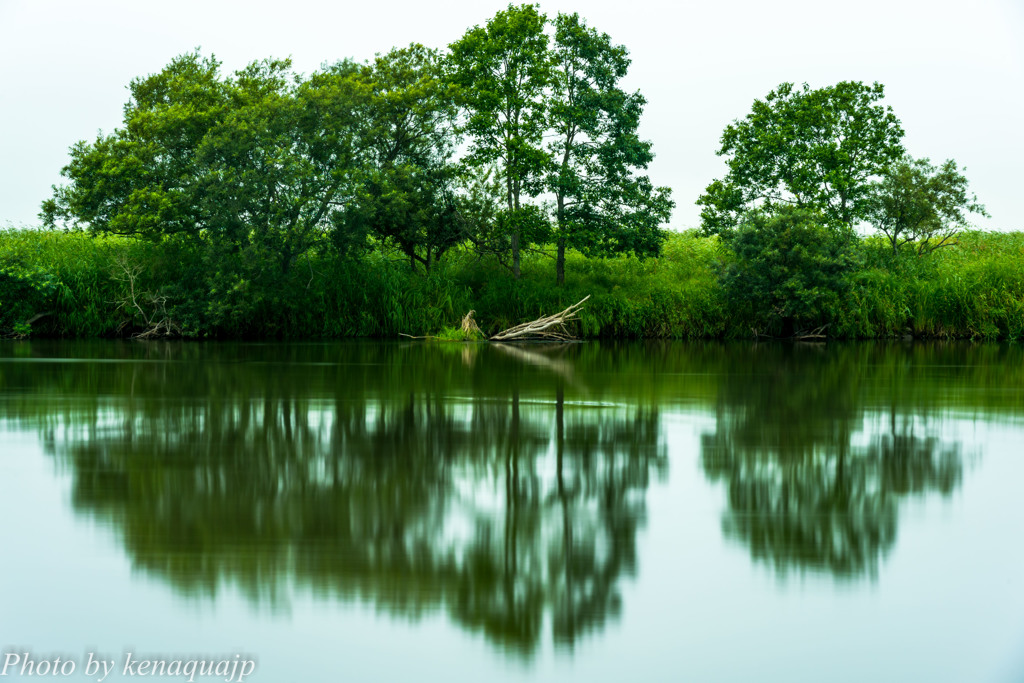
<point>813,149</point>
<point>790,270</point>
<point>918,204</point>
<point>972,290</point>
<point>806,169</point>
<point>503,175</point>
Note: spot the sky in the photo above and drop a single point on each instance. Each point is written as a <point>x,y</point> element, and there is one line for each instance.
<point>953,71</point>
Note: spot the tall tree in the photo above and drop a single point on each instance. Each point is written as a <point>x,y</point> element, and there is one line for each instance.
<point>502,72</point>
<point>601,206</point>
<point>813,149</point>
<point>921,204</point>
<point>404,191</point>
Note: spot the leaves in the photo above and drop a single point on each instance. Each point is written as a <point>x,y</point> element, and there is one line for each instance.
<point>240,162</point>
<point>923,205</point>
<point>814,149</point>
<point>790,270</point>
<point>602,206</point>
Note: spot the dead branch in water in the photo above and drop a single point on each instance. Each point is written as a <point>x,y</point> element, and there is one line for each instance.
<point>551,327</point>
<point>817,333</point>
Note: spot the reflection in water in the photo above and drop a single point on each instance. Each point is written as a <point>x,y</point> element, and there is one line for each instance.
<point>408,481</point>
<point>814,476</point>
<point>503,485</point>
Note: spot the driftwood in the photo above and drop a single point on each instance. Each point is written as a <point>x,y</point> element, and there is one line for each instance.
<point>551,327</point>
<point>805,335</point>
<point>547,328</point>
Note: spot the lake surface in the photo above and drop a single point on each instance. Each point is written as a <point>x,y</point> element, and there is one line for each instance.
<point>373,511</point>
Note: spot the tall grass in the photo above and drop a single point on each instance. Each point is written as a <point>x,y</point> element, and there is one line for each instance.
<point>973,290</point>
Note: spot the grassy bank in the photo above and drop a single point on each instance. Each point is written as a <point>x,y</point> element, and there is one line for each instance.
<point>76,285</point>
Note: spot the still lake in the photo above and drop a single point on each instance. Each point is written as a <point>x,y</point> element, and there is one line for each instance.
<point>374,511</point>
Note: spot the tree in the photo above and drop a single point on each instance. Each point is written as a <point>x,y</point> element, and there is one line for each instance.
<point>256,163</point>
<point>921,204</point>
<point>404,193</point>
<point>601,207</point>
<point>812,149</point>
<point>139,180</point>
<point>409,207</point>
<point>502,72</point>
<point>790,270</point>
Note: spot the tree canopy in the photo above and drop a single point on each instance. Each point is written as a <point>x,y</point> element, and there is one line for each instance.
<point>922,205</point>
<point>257,161</point>
<point>404,194</point>
<point>601,206</point>
<point>520,88</point>
<point>265,165</point>
<point>816,149</point>
<point>502,72</point>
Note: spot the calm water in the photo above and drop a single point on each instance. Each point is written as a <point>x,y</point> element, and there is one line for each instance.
<point>415,512</point>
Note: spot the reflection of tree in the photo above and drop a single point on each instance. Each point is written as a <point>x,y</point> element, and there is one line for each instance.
<point>499,500</point>
<point>802,492</point>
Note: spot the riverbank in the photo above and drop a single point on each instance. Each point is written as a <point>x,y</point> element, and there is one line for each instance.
<point>56,284</point>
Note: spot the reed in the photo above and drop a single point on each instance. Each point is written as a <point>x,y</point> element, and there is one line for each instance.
<point>974,290</point>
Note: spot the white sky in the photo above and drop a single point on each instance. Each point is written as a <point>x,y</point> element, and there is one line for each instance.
<point>953,71</point>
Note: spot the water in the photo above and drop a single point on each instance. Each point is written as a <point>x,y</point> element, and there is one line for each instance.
<point>379,511</point>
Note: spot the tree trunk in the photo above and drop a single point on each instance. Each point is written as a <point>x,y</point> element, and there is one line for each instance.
<point>515,254</point>
<point>560,262</point>
<point>513,206</point>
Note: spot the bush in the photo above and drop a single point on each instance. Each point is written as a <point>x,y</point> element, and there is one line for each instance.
<point>26,294</point>
<point>790,271</point>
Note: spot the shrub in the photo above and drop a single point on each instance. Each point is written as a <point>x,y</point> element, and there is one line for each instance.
<point>790,271</point>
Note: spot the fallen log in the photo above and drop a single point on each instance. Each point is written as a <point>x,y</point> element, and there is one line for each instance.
<point>548,328</point>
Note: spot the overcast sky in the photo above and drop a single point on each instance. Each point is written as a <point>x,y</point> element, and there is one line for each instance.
<point>953,71</point>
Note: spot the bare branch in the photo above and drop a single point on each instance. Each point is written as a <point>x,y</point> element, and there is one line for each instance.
<point>551,327</point>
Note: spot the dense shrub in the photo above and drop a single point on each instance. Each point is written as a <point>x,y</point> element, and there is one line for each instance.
<point>790,271</point>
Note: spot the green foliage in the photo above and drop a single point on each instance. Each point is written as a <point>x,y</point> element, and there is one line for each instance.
<point>501,72</point>
<point>404,190</point>
<point>408,207</point>
<point>457,334</point>
<point>814,149</point>
<point>974,289</point>
<point>269,204</point>
<point>25,293</point>
<point>253,162</point>
<point>790,271</point>
<point>601,206</point>
<point>921,205</point>
<point>80,293</point>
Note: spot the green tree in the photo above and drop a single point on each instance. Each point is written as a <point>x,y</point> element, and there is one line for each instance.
<point>140,179</point>
<point>601,206</point>
<point>502,72</point>
<point>407,206</point>
<point>812,149</point>
<point>790,270</point>
<point>255,163</point>
<point>921,204</point>
<point>405,180</point>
